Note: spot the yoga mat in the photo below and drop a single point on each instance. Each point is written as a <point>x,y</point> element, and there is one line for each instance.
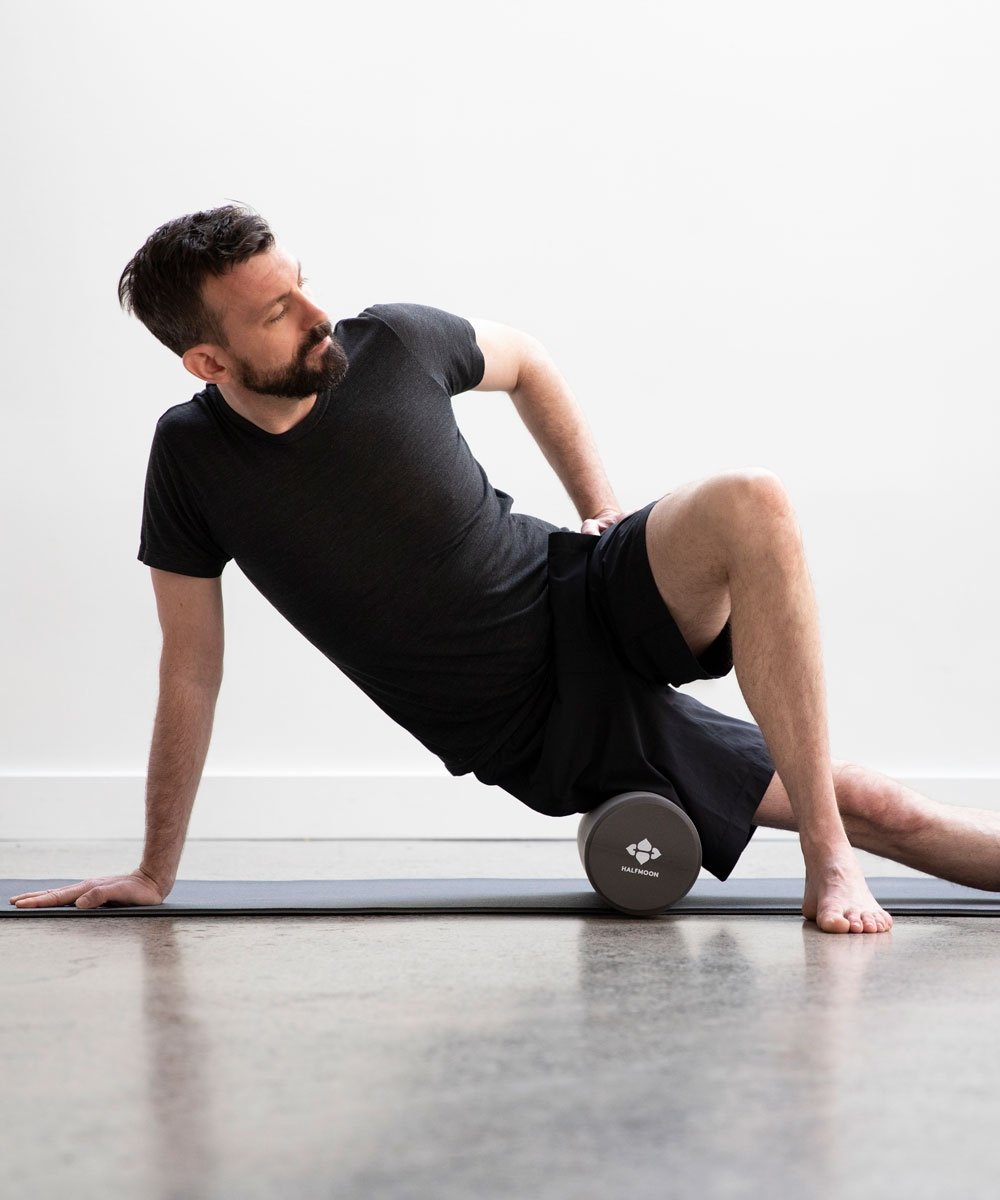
<point>297,897</point>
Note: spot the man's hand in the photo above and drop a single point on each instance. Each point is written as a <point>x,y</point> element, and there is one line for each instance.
<point>137,888</point>
<point>603,520</point>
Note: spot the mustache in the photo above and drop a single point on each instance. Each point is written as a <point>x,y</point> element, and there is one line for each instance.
<point>317,335</point>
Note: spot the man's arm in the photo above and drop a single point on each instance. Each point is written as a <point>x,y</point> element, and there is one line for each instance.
<point>519,364</point>
<point>191,617</point>
<point>190,612</point>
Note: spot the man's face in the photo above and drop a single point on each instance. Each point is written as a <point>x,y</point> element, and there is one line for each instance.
<point>280,342</point>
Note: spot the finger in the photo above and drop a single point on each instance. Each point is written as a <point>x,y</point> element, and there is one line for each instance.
<point>50,891</point>
<point>33,900</point>
<point>50,899</point>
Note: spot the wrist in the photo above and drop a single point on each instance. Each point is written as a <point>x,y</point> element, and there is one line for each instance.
<point>160,879</point>
<point>594,502</point>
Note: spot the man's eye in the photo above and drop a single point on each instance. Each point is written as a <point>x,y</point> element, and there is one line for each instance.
<point>271,320</point>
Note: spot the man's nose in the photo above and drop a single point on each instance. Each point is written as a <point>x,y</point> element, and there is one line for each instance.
<point>313,315</point>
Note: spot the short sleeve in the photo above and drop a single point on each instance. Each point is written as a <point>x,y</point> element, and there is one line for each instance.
<point>174,535</point>
<point>444,344</point>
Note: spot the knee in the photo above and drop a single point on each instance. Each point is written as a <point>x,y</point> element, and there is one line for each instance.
<point>751,497</point>
<point>871,801</point>
<point>758,487</point>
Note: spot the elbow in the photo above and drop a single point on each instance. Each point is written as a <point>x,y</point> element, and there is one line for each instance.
<point>187,669</point>
<point>535,363</point>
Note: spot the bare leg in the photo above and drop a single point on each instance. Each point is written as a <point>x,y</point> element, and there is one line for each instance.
<point>750,555</point>
<point>887,818</point>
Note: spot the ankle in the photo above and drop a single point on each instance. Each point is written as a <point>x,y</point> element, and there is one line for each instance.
<point>822,851</point>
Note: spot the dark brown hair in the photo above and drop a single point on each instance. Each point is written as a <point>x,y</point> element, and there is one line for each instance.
<point>162,283</point>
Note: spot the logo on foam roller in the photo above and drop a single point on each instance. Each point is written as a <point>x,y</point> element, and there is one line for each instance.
<point>642,852</point>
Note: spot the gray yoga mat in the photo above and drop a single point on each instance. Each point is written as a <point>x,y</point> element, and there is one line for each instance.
<point>296,897</point>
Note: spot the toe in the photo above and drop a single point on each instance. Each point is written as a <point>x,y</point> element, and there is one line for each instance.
<point>832,921</point>
<point>853,919</point>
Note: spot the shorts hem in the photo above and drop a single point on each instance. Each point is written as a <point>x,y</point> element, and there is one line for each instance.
<point>737,835</point>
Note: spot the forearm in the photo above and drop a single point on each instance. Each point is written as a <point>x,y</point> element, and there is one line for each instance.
<point>181,736</point>
<point>554,419</point>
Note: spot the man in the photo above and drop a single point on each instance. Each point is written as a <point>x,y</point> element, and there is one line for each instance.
<point>327,463</point>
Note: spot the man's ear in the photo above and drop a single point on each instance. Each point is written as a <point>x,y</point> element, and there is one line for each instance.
<point>203,361</point>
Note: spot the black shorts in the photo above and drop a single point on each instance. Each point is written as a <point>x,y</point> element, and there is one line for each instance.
<point>617,722</point>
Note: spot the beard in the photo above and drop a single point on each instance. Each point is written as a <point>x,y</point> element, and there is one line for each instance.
<point>300,378</point>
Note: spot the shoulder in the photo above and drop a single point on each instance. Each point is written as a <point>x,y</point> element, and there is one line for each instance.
<point>185,423</point>
<point>376,328</point>
<point>188,415</point>
<point>417,322</point>
<point>402,312</point>
<point>442,342</point>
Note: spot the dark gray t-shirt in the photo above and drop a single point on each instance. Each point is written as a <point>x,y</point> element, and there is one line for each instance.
<point>372,528</point>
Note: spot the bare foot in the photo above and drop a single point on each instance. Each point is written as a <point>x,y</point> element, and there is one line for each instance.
<point>838,899</point>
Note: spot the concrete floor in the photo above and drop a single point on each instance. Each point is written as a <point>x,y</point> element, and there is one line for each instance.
<point>440,1057</point>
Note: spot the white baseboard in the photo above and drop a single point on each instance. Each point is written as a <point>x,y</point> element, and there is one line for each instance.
<point>270,806</point>
<point>334,806</point>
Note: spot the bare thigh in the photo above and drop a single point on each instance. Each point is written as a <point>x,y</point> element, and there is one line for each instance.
<point>688,559</point>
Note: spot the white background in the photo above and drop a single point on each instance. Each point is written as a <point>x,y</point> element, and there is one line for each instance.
<point>750,234</point>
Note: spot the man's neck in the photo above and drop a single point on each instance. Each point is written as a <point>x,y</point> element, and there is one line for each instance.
<point>273,414</point>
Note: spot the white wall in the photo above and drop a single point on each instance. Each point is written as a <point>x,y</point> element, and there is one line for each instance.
<point>751,234</point>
